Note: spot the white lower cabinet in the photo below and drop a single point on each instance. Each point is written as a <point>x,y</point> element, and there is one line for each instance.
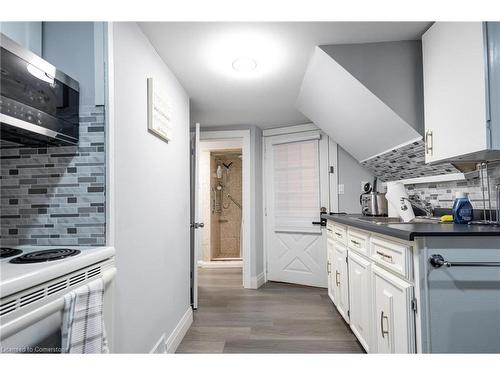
<point>340,280</point>
<point>360,306</point>
<point>329,270</point>
<point>394,326</point>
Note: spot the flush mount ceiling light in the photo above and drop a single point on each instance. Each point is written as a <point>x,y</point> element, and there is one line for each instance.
<point>246,54</point>
<point>244,64</point>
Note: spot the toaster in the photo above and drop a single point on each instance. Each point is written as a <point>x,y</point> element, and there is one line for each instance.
<point>373,204</point>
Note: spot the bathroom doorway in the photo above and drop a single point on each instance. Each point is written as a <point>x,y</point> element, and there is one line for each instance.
<point>221,192</point>
<point>225,207</point>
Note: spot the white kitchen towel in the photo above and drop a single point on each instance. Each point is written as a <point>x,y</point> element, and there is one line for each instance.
<point>395,192</point>
<point>82,328</point>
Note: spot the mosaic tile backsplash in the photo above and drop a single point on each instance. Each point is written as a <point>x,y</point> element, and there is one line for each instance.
<point>405,162</point>
<point>409,162</point>
<point>56,195</point>
<point>442,194</point>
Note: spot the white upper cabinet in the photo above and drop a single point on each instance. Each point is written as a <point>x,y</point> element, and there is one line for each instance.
<point>457,78</point>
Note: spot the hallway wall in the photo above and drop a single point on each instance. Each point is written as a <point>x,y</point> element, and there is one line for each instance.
<point>152,205</point>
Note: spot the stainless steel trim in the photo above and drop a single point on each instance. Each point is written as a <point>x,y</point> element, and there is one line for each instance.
<point>35,128</point>
<point>429,147</point>
<point>35,60</point>
<point>437,261</point>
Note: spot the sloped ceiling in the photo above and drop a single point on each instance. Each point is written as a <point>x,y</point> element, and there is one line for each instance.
<point>390,70</point>
<point>349,112</point>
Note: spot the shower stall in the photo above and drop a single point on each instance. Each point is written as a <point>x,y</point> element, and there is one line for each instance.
<point>225,205</point>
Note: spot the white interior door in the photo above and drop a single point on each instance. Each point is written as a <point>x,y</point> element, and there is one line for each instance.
<point>296,188</point>
<point>198,222</point>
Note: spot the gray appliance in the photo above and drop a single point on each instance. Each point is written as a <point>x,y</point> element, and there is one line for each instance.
<point>372,202</point>
<point>39,105</point>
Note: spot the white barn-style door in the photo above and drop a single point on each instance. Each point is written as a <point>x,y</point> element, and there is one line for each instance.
<point>296,188</point>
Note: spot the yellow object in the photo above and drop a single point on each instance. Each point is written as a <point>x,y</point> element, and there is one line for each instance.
<point>446,218</point>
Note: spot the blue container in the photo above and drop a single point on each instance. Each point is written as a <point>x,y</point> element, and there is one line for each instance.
<point>462,209</point>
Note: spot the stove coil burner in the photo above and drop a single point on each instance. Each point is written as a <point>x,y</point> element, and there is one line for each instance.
<point>45,256</point>
<point>7,252</point>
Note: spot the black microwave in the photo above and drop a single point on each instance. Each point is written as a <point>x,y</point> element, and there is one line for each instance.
<point>39,105</point>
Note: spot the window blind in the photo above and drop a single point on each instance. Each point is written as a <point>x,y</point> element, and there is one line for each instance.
<point>296,185</point>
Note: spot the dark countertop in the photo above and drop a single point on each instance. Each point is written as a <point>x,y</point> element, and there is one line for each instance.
<point>408,232</point>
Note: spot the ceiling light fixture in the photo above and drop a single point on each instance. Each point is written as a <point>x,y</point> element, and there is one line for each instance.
<point>246,54</point>
<point>244,64</point>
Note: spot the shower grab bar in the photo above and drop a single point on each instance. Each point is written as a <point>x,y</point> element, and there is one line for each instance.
<point>437,261</point>
<point>232,200</point>
<point>20,323</point>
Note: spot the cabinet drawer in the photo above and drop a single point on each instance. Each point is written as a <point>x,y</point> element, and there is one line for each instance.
<point>358,241</point>
<point>337,232</point>
<point>392,255</point>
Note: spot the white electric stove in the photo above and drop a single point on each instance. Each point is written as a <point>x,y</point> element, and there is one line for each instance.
<point>33,281</point>
<point>33,265</point>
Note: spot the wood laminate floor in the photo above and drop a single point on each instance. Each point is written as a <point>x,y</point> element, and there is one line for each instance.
<point>277,318</point>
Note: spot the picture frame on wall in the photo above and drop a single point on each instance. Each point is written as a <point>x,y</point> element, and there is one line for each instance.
<point>159,111</point>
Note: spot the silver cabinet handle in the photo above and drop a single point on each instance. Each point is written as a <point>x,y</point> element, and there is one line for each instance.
<point>328,267</point>
<point>338,234</point>
<point>329,230</point>
<point>385,256</point>
<point>382,317</point>
<point>428,142</point>
<point>337,281</point>
<point>355,243</point>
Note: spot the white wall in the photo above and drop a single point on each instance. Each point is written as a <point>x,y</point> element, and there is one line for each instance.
<point>151,199</point>
<point>351,174</point>
<point>27,34</point>
<point>71,47</point>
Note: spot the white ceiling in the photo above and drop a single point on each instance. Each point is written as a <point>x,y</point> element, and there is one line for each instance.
<point>219,97</point>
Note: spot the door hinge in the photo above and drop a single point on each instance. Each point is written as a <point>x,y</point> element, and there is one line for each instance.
<point>346,260</point>
<point>414,304</point>
<point>349,313</point>
<point>332,169</point>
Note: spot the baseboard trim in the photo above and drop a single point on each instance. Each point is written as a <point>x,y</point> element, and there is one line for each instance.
<point>160,347</point>
<point>258,281</point>
<point>179,331</point>
<point>221,264</point>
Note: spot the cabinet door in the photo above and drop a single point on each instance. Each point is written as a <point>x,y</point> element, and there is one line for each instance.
<point>360,306</point>
<point>394,322</point>
<point>454,75</point>
<point>341,280</point>
<point>329,269</point>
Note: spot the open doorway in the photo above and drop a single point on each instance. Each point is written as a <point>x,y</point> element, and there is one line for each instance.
<point>221,196</point>
<point>223,209</point>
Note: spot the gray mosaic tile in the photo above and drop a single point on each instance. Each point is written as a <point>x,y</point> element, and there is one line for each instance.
<point>55,195</point>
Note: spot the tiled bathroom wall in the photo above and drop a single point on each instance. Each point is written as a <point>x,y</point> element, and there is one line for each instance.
<point>225,218</point>
<point>56,195</point>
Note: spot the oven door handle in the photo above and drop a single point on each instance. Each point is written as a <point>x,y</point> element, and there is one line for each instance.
<point>437,261</point>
